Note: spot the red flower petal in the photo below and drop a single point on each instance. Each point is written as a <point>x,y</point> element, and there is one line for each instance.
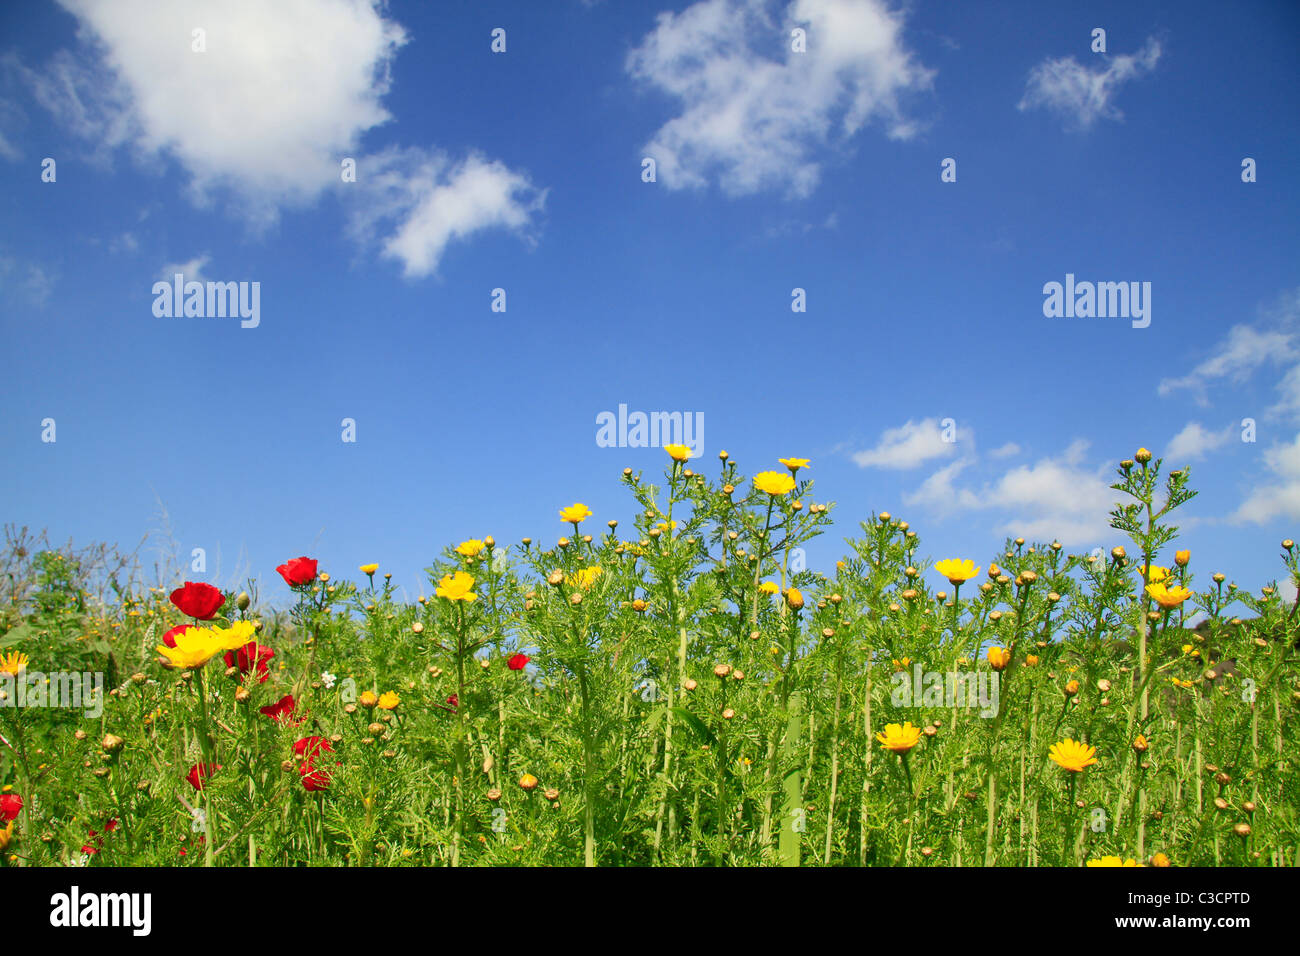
<point>298,572</point>
<point>201,772</point>
<point>198,600</point>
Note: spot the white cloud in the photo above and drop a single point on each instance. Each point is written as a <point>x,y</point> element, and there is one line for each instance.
<point>756,121</point>
<point>192,270</point>
<point>124,242</point>
<point>30,282</point>
<point>1083,94</point>
<point>1286,590</point>
<point>907,446</point>
<point>282,91</point>
<point>1244,351</point>
<point>1278,496</point>
<point>1194,441</point>
<point>1008,450</point>
<point>1054,498</point>
<point>423,201</point>
<point>11,117</point>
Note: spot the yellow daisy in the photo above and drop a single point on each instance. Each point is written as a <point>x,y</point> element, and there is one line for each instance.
<point>900,738</point>
<point>1167,597</point>
<point>575,513</point>
<point>957,571</point>
<point>774,483</point>
<point>456,587</point>
<point>1072,755</point>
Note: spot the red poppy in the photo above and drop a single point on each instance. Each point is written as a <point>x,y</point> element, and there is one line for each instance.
<point>10,806</point>
<point>201,772</point>
<point>313,778</point>
<point>251,655</point>
<point>517,662</point>
<point>282,709</point>
<point>198,600</point>
<point>298,572</point>
<point>309,747</point>
<point>170,637</point>
<point>91,849</point>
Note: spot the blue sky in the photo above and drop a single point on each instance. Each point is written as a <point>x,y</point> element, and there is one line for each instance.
<point>522,170</point>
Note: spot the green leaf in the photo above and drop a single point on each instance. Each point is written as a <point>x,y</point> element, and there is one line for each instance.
<point>696,725</point>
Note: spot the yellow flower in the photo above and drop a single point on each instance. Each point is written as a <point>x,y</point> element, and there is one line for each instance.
<point>7,833</point>
<point>195,646</point>
<point>456,587</point>
<point>234,637</point>
<point>666,526</point>
<point>1155,573</point>
<point>585,578</point>
<point>900,738</point>
<point>901,665</point>
<point>1073,755</point>
<point>1168,598</point>
<point>470,548</point>
<point>1160,860</point>
<point>575,513</point>
<point>1112,861</point>
<point>368,699</point>
<point>794,599</point>
<point>14,664</point>
<point>774,483</point>
<point>794,464</point>
<point>999,658</point>
<point>369,569</point>
<point>388,701</point>
<point>678,452</point>
<point>957,571</point>
<point>769,587</point>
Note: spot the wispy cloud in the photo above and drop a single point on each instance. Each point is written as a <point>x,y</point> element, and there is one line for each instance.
<point>192,270</point>
<point>1082,94</point>
<point>414,203</point>
<point>1278,495</point>
<point>1246,349</point>
<point>1195,441</point>
<point>1056,497</point>
<point>907,446</point>
<point>754,122</point>
<point>26,281</point>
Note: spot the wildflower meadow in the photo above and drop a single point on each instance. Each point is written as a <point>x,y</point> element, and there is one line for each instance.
<point>662,688</point>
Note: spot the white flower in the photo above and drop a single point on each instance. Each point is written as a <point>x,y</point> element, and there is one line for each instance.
<point>328,680</point>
